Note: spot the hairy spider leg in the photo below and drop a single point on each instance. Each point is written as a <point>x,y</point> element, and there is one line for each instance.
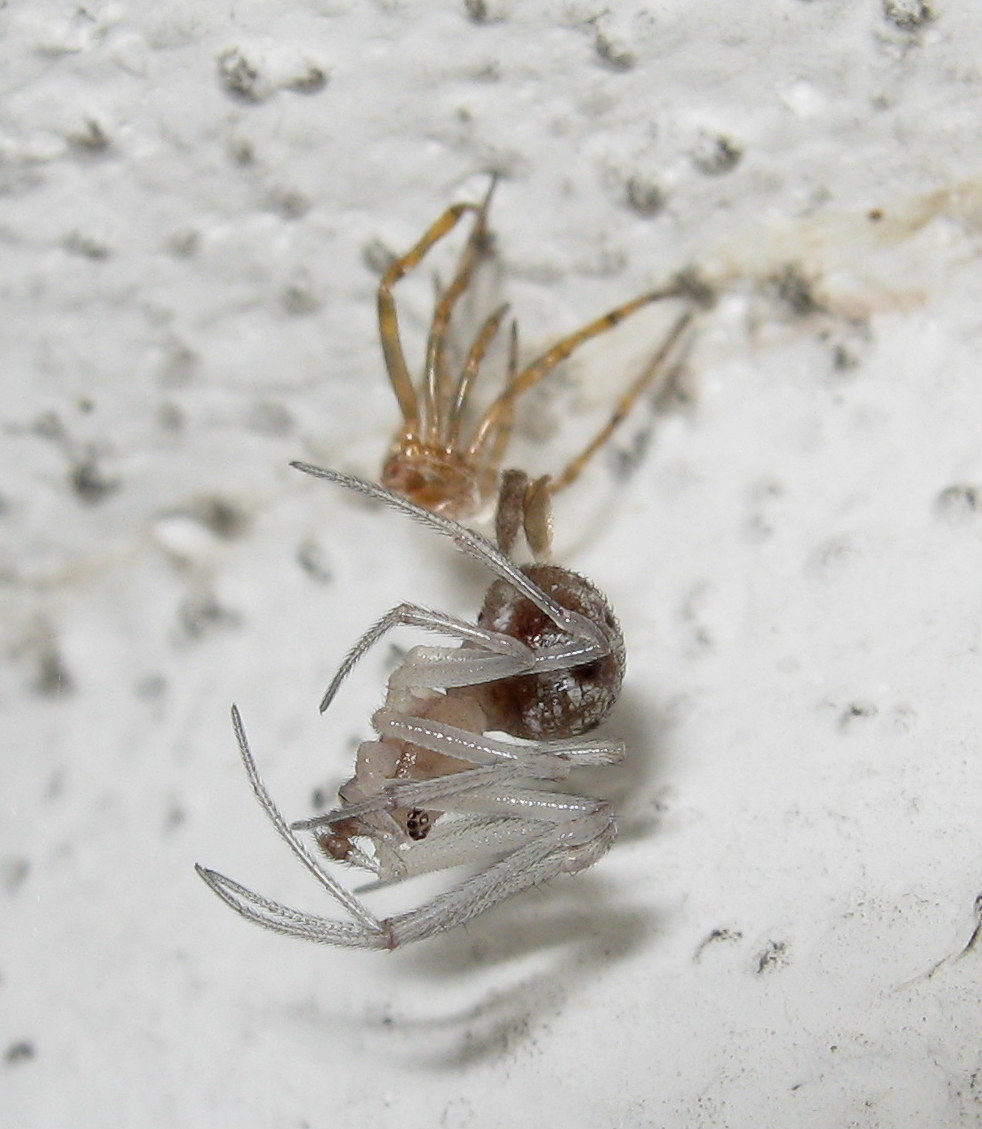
<point>474,545</point>
<point>654,366</point>
<point>395,361</point>
<point>437,384</point>
<point>455,416</point>
<point>218,882</point>
<point>486,441</point>
<point>577,831</point>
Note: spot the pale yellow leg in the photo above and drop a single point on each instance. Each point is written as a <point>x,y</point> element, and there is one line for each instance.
<point>499,436</point>
<point>489,330</point>
<point>388,321</point>
<point>437,381</point>
<point>624,405</point>
<point>489,427</point>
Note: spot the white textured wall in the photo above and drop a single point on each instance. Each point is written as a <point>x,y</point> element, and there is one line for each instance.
<point>193,198</point>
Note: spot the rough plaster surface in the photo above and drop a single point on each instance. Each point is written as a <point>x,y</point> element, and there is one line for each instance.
<point>195,202</point>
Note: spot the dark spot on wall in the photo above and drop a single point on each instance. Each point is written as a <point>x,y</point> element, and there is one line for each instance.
<point>796,290</point>
<point>169,416</point>
<point>90,140</point>
<point>959,503</point>
<point>174,818</point>
<point>773,956</point>
<point>21,1051</point>
<point>644,196</point>
<point>52,678</point>
<point>477,11</point>
<point>377,257</point>
<point>266,417</point>
<point>224,518</point>
<point>715,937</point>
<point>90,481</point>
<point>290,203</point>
<point>13,872</point>
<point>613,55</point>
<point>848,343</point>
<point>856,712</point>
<point>86,247</point>
<point>717,155</point>
<point>184,244</point>
<point>201,614</point>
<point>843,359</point>
<point>300,299</point>
<point>625,458</point>
<point>241,152</point>
<point>908,15</point>
<point>178,366</point>
<point>314,561</point>
<point>240,77</point>
<point>151,687</point>
<point>310,81</point>
<point>48,425</point>
<point>696,286</point>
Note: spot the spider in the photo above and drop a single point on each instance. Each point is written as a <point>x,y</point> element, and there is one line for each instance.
<point>441,459</point>
<point>544,663</point>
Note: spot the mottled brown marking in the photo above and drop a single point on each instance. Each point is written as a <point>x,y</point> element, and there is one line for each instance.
<point>557,703</point>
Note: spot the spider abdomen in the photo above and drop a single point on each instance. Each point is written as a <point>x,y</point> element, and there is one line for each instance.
<point>558,703</point>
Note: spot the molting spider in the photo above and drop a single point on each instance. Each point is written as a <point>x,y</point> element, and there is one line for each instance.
<point>544,663</point>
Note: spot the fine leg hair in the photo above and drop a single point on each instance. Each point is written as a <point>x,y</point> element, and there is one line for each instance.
<point>269,913</point>
<point>439,668</point>
<point>562,834</point>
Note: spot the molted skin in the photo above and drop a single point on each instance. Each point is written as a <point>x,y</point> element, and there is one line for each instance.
<point>438,480</point>
<point>560,703</point>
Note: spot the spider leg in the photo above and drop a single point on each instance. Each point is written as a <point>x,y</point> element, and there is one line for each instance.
<point>388,320</point>
<point>236,896</point>
<point>492,811</point>
<point>439,668</point>
<point>292,922</point>
<point>561,849</point>
<point>525,503</point>
<point>436,388</point>
<point>473,545</point>
<point>506,655</point>
<point>499,413</point>
<point>575,467</point>
<point>543,760</point>
<point>489,789</point>
<point>454,418</point>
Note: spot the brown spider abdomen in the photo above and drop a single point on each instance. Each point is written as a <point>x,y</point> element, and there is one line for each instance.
<point>560,703</point>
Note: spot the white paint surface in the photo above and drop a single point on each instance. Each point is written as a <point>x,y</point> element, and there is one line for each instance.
<point>188,304</point>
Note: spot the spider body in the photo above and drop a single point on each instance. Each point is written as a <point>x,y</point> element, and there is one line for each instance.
<point>436,790</point>
<point>542,665</point>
